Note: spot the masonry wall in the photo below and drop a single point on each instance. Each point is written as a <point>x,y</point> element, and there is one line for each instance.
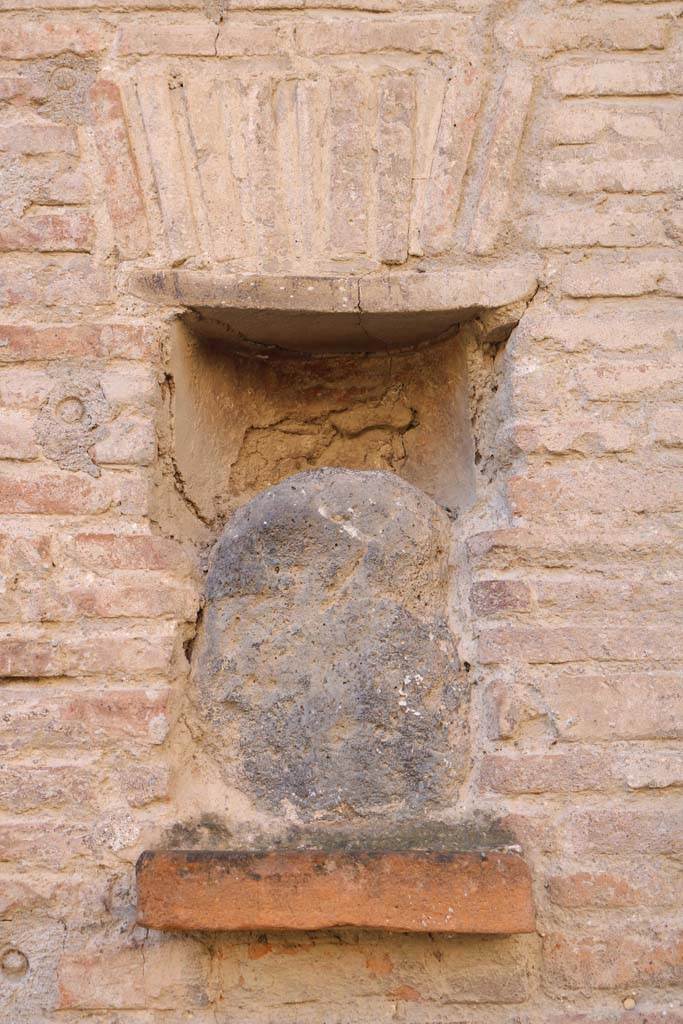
<point>572,564</point>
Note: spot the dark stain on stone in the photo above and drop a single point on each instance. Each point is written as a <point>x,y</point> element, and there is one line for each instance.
<point>205,832</point>
<point>473,833</point>
<point>324,658</point>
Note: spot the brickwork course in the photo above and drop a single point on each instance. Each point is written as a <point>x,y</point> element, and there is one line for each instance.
<point>354,137</point>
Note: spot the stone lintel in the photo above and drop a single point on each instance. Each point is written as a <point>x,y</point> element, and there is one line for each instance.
<point>332,314</point>
<point>208,890</point>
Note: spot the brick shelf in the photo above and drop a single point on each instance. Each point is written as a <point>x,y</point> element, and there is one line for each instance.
<point>207,890</point>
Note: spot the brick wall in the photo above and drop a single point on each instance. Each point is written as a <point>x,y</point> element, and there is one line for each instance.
<point>575,591</point>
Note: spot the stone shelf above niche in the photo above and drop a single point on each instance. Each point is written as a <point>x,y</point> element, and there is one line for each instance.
<point>337,314</point>
<point>305,890</point>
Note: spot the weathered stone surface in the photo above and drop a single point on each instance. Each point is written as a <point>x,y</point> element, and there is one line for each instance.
<point>324,659</point>
<point>309,889</point>
<point>351,151</point>
<point>339,313</point>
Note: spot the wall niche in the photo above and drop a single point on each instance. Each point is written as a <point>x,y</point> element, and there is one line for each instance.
<point>268,376</point>
<point>242,422</point>
<point>321,441</point>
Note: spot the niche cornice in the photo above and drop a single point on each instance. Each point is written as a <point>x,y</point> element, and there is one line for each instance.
<point>318,314</point>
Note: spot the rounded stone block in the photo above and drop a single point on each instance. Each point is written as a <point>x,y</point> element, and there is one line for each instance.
<point>325,675</point>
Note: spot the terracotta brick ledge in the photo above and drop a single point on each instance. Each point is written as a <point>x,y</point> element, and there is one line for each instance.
<point>181,890</point>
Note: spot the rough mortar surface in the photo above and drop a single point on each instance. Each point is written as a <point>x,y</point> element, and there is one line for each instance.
<point>365,138</point>
<point>240,425</point>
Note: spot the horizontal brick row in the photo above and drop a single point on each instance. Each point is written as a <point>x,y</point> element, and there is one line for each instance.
<point>80,717</point>
<point>614,705</point>
<point>580,769</point>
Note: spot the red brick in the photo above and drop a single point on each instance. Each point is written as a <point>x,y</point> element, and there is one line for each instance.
<point>586,121</point>
<point>595,487</point>
<point>510,710</point>
<point>642,1014</point>
<point>646,326</point>
<point>447,33</point>
<point>27,386</point>
<point>614,706</point>
<point>492,597</point>
<point>20,343</point>
<point>586,30</point>
<point>62,187</point>
<point>26,552</point>
<point>74,788</point>
<point>132,384</point>
<point>50,493</point>
<point>618,274</point>
<point>59,282</point>
<point>586,435</point>
<point>624,77</point>
<point>635,380</point>
<point>13,86</point>
<point>648,883</point>
<point>130,441</point>
<point>116,595</point>
<point>249,39</point>
<point>577,769</point>
<point>120,977</point>
<point>575,177</point>
<point>115,5</point>
<point>113,653</point>
<point>71,231</point>
<point>309,889</point>
<point>587,540</point>
<point>200,38</point>
<point>614,961</point>
<point>36,718</point>
<point>123,194</point>
<point>49,842</point>
<point>35,139</point>
<point>130,551</point>
<point>21,895</point>
<point>652,827</point>
<point>25,788</point>
<point>542,645</point>
<point>85,982</point>
<point>495,188</point>
<point>666,426</point>
<point>601,596</point>
<point>159,36</point>
<point>17,436</point>
<point>446,972</point>
<point>568,224</point>
<point>21,39</point>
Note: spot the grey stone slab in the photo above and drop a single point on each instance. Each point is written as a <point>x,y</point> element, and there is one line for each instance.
<point>325,673</point>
